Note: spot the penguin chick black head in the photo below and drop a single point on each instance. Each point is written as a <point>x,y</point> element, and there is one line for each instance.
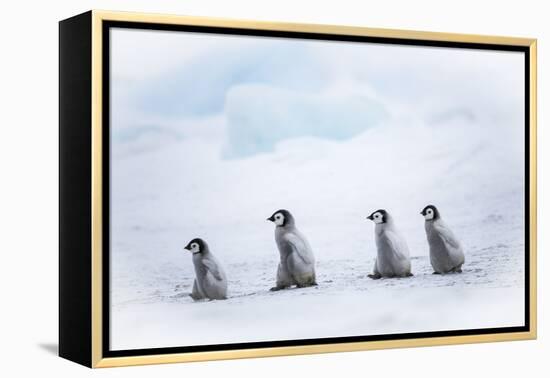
<point>430,212</point>
<point>196,245</point>
<point>282,218</point>
<point>379,216</point>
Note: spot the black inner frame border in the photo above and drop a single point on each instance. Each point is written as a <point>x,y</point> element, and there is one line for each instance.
<point>107,25</point>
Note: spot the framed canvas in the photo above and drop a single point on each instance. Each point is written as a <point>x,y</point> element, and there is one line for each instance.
<point>235,189</point>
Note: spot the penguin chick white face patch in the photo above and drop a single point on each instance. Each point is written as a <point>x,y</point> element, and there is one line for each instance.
<point>279,219</point>
<point>429,214</point>
<point>378,218</point>
<point>195,248</point>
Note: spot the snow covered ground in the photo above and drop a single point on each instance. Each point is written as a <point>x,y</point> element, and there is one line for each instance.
<point>181,188</point>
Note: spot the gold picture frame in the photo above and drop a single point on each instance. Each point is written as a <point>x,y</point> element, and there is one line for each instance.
<point>82,254</point>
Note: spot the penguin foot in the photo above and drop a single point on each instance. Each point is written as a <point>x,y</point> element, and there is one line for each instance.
<point>195,297</point>
<point>217,299</point>
<point>436,273</point>
<point>409,275</point>
<point>277,288</point>
<point>306,285</point>
<point>457,270</point>
<point>374,276</point>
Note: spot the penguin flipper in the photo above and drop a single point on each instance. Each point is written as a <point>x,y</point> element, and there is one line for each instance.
<point>396,244</point>
<point>448,238</point>
<point>299,247</point>
<point>213,268</point>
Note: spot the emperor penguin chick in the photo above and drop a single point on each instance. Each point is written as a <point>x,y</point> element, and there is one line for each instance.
<point>446,254</point>
<point>210,281</point>
<point>392,259</point>
<point>297,264</point>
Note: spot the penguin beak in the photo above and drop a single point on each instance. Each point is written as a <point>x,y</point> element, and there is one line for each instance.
<point>270,219</point>
<point>370,217</point>
<point>188,247</point>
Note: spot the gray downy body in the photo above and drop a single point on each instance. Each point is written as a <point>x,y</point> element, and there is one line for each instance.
<point>392,259</point>
<point>446,253</point>
<point>297,264</point>
<point>210,281</point>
